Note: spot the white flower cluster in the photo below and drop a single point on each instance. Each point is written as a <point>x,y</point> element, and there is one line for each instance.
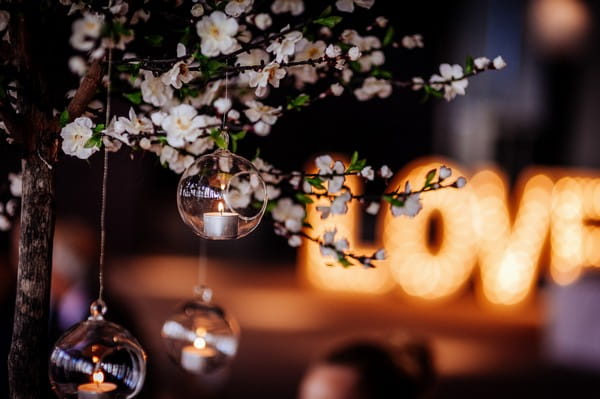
<point>9,209</point>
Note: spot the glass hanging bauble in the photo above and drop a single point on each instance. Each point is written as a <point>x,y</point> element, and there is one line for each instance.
<point>200,337</point>
<point>222,196</point>
<point>97,359</point>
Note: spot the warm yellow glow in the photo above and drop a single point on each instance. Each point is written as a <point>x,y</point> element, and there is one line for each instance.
<point>475,224</point>
<point>575,243</point>
<point>201,331</point>
<point>95,359</point>
<point>420,268</point>
<point>314,267</point>
<point>200,343</point>
<point>509,253</point>
<point>220,207</point>
<point>98,377</point>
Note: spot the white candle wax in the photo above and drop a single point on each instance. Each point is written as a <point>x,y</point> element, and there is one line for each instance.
<point>194,359</point>
<point>95,390</point>
<point>220,224</point>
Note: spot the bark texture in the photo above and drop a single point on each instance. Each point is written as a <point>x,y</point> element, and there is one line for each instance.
<point>28,358</point>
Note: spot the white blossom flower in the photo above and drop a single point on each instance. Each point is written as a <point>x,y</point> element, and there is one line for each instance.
<point>254,57</point>
<point>197,10</point>
<point>385,172</point>
<point>381,21</point>
<point>347,74</point>
<point>460,182</point>
<point>217,33</point>
<point>354,53</point>
<point>182,124</point>
<point>482,62</point>
<point>119,7</point>
<point>258,111</point>
<point>4,19</point>
<point>417,83</point>
<point>263,21</point>
<point>380,254</point>
<point>373,208</point>
<point>200,145</point>
<point>412,206</point>
<point>295,7</point>
<point>339,205</point>
<point>335,183</point>
<point>412,41</point>
<point>323,164</point>
<point>373,87</point>
<point>134,125</point>
<point>176,162</point>
<point>16,184</point>
<point>270,74</point>
<point>285,46</point>
<point>368,173</point>
<point>307,50</point>
<point>452,79</point>
<point>290,214</point>
<point>4,223</point>
<point>333,51</point>
<point>77,65</point>
<point>180,73</point>
<point>348,5</point>
<point>336,89</point>
<point>261,128</point>
<point>11,207</point>
<point>86,30</point>
<point>75,135</point>
<point>235,8</point>
<point>499,62</point>
<point>154,91</point>
<point>140,15</point>
<point>222,105</point>
<point>445,172</point>
<point>294,241</point>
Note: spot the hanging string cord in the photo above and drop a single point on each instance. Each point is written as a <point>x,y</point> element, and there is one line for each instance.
<point>104,183</point>
<point>224,132</point>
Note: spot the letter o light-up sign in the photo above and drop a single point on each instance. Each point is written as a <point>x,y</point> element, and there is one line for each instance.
<point>475,227</point>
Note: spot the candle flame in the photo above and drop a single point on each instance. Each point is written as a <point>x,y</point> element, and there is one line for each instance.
<point>201,331</point>
<point>98,377</point>
<point>200,343</point>
<point>220,207</point>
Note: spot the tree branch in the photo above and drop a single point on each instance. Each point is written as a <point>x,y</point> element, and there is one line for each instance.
<point>86,91</point>
<point>12,122</point>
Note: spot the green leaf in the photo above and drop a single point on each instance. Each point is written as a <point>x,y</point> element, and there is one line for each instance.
<point>469,65</point>
<point>330,21</point>
<point>133,68</point>
<point>433,92</point>
<point>344,261</point>
<point>389,36</point>
<point>394,201</point>
<point>271,205</point>
<point>381,73</point>
<point>135,97</point>
<point>94,141</point>
<point>154,40</point>
<point>297,103</point>
<point>326,12</point>
<point>429,178</point>
<point>235,137</point>
<point>355,65</point>
<point>99,128</point>
<point>303,198</point>
<point>356,164</point>
<point>354,158</point>
<point>316,182</point>
<point>64,118</point>
<point>216,135</point>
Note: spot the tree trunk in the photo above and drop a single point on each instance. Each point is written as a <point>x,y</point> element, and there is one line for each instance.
<point>28,358</point>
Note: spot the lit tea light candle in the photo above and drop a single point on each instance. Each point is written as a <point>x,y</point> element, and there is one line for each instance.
<point>220,224</point>
<point>194,357</point>
<point>98,389</point>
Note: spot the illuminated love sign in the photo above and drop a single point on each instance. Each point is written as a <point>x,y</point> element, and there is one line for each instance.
<point>433,255</point>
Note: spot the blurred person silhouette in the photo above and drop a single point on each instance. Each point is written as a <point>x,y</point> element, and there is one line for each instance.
<point>369,370</point>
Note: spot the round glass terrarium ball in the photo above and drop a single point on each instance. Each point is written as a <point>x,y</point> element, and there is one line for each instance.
<point>97,359</point>
<point>222,196</point>
<point>200,337</point>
